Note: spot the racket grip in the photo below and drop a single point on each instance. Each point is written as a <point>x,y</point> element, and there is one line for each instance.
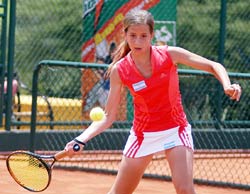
<point>64,153</point>
<point>61,154</point>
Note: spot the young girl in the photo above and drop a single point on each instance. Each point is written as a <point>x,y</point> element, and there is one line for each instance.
<point>160,124</point>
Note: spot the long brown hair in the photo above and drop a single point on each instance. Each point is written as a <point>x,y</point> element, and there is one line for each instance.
<point>132,17</point>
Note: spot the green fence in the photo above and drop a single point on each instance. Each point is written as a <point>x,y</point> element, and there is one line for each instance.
<point>214,29</point>
<point>198,26</point>
<point>205,109</point>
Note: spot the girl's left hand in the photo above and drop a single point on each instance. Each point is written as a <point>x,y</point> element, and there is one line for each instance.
<point>233,91</point>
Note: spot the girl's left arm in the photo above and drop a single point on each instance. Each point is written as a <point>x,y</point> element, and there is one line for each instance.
<point>185,57</point>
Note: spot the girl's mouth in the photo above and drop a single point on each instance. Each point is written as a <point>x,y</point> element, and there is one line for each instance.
<point>138,49</point>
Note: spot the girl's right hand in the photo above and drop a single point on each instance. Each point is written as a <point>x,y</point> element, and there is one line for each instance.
<point>71,148</point>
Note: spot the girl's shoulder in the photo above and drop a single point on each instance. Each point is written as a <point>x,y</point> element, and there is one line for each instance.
<point>162,48</point>
<point>162,56</point>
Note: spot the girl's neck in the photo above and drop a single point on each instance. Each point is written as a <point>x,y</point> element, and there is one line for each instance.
<point>143,64</point>
<point>142,59</point>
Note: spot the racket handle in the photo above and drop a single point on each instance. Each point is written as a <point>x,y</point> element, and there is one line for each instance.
<point>64,153</point>
<point>61,154</point>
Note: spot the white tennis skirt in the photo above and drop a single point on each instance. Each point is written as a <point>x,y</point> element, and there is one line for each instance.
<point>153,142</point>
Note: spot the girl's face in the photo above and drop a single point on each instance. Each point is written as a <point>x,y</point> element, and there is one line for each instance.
<point>139,38</point>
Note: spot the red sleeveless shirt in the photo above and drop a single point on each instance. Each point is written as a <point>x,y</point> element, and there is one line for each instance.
<point>157,99</point>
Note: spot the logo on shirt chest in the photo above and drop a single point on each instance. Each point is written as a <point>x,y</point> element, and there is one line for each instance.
<point>139,85</point>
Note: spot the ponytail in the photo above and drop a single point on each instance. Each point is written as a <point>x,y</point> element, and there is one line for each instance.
<point>122,50</point>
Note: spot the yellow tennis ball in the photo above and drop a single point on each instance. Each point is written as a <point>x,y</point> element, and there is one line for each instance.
<point>96,114</point>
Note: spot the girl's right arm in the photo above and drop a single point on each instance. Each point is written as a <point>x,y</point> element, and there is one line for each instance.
<point>110,111</point>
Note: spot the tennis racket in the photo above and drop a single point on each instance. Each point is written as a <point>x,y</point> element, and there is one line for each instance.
<point>33,171</point>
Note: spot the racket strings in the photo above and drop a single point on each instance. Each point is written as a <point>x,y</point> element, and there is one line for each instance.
<point>29,171</point>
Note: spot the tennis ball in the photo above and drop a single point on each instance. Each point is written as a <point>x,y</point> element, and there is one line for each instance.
<point>96,114</point>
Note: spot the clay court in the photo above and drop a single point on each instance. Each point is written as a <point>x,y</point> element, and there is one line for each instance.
<point>74,182</point>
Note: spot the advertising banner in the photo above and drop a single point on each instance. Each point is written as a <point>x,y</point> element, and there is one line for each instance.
<point>102,23</point>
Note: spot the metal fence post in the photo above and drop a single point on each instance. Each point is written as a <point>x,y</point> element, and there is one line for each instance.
<point>3,56</point>
<point>222,39</point>
<point>10,63</point>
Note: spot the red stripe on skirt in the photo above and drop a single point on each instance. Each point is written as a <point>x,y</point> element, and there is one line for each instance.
<point>184,137</point>
<point>134,148</point>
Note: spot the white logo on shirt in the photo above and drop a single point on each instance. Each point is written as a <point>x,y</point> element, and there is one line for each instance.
<point>139,85</point>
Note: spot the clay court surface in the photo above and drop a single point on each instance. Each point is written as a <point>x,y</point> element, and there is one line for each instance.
<point>75,182</point>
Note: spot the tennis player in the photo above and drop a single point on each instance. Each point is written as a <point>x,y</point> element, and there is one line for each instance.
<point>159,124</point>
